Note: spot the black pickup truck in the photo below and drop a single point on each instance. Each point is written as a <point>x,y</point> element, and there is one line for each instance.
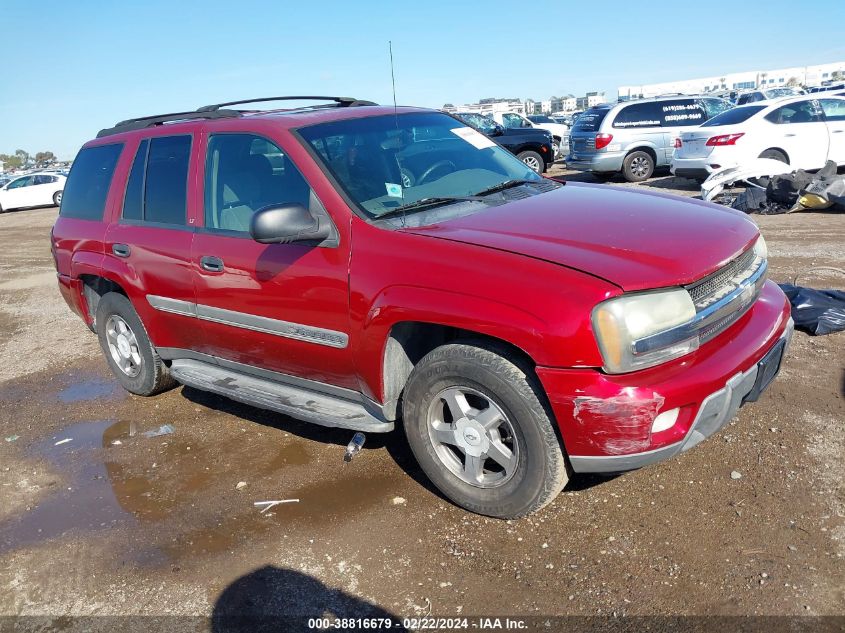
<point>532,146</point>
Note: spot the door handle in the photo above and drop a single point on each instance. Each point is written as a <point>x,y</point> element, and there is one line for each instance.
<point>121,250</point>
<point>211,264</point>
<point>787,135</point>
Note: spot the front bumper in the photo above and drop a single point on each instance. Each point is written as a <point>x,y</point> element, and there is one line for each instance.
<point>606,421</point>
<point>599,162</point>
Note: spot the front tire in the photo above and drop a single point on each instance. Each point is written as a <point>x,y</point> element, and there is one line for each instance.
<point>57,198</point>
<point>533,160</point>
<point>127,348</point>
<point>638,166</point>
<point>477,423</point>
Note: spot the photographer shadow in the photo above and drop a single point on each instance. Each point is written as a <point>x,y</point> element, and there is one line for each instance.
<point>276,599</point>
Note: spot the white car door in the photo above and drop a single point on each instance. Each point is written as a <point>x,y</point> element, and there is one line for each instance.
<point>834,115</point>
<point>41,191</point>
<point>801,132</point>
<point>16,193</point>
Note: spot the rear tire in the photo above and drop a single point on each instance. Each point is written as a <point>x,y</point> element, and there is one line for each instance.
<point>638,166</point>
<point>499,454</point>
<point>127,348</point>
<point>57,198</point>
<point>774,154</point>
<point>533,160</point>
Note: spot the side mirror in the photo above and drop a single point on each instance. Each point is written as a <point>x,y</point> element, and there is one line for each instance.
<point>497,130</point>
<point>287,223</point>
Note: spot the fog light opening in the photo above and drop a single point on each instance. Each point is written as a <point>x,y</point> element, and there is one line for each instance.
<point>664,421</point>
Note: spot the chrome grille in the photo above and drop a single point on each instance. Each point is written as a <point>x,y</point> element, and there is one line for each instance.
<point>723,281</point>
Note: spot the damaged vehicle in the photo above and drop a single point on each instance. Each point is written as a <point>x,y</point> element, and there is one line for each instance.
<point>519,328</point>
<point>802,132</point>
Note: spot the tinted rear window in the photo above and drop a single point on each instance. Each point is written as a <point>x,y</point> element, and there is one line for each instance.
<point>166,186</point>
<point>590,121</point>
<point>674,113</point>
<point>736,115</point>
<point>87,186</point>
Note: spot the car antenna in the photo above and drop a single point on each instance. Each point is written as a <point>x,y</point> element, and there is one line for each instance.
<point>396,118</point>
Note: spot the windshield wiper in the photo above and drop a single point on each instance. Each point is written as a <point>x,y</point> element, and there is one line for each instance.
<point>506,185</point>
<point>426,202</point>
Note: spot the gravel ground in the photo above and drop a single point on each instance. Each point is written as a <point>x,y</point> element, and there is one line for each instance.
<point>114,522</point>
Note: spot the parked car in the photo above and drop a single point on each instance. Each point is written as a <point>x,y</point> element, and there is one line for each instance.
<point>801,131</point>
<point>32,190</point>
<point>827,88</point>
<point>766,94</point>
<point>635,137</point>
<point>512,120</point>
<point>532,146</point>
<point>519,328</point>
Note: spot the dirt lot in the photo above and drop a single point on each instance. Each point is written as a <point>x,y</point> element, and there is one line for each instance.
<point>114,522</point>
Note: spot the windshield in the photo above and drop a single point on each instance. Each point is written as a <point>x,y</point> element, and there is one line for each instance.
<point>385,163</point>
<point>733,116</point>
<point>774,93</point>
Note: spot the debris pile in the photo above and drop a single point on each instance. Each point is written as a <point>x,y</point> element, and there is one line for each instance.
<point>770,191</point>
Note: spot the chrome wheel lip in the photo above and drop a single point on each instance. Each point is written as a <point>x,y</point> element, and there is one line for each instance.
<point>465,446</point>
<point>123,346</point>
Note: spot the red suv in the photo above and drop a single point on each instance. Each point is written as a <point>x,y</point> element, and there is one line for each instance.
<point>355,265</point>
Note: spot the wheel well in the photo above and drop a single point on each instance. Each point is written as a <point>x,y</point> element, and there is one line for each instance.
<point>409,341</point>
<point>648,150</point>
<point>95,288</point>
<point>776,149</point>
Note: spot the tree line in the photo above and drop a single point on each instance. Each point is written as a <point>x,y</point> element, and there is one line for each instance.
<point>22,158</point>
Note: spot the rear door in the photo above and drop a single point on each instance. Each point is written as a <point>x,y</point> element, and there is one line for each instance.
<point>43,188</point>
<point>677,116</point>
<point>148,247</point>
<point>834,116</point>
<point>277,307</point>
<point>801,132</point>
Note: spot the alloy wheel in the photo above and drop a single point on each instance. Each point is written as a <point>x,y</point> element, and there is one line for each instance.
<point>123,346</point>
<point>472,437</point>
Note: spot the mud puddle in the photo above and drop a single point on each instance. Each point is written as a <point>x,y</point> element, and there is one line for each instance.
<point>94,389</point>
<point>170,498</point>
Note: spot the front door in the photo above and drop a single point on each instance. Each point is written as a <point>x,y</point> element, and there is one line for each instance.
<point>18,193</point>
<point>277,307</point>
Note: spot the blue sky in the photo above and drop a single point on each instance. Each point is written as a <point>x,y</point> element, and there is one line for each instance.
<point>71,68</point>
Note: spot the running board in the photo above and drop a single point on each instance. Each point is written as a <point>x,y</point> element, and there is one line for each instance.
<point>297,402</point>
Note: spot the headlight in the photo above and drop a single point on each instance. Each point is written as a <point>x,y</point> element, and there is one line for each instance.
<point>621,322</point>
<point>760,248</point>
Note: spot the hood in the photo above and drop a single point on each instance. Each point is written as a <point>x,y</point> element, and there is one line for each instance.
<point>633,239</point>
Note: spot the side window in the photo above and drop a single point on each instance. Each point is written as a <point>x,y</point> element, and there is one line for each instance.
<point>133,201</point>
<point>245,173</point>
<point>512,121</point>
<point>87,186</point>
<point>681,113</point>
<point>21,182</point>
<point>638,115</point>
<point>712,107</point>
<point>166,183</point>
<point>799,112</point>
<point>834,109</point>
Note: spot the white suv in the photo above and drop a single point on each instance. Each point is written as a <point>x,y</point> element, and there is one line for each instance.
<point>560,132</point>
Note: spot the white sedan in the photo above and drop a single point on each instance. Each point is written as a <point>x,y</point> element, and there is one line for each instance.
<point>803,132</point>
<point>32,190</point>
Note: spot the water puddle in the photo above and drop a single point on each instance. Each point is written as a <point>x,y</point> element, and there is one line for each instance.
<point>86,501</point>
<point>89,390</point>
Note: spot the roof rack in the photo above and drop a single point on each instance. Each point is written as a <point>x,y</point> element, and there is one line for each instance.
<point>157,119</point>
<point>343,102</point>
<point>218,111</point>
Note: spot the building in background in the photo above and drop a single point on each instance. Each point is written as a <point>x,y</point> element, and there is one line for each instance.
<point>749,80</point>
<point>589,100</point>
<point>490,106</point>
